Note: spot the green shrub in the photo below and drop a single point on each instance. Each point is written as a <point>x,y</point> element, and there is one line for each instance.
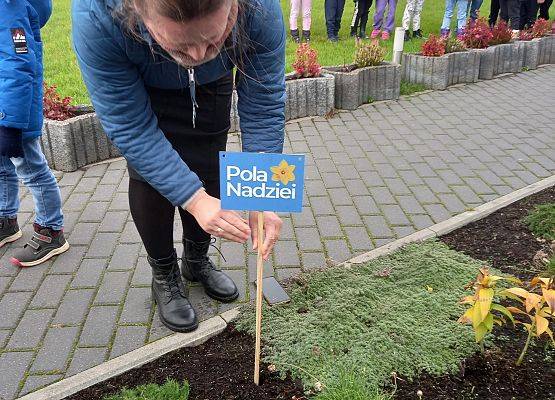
<point>369,54</point>
<point>395,314</point>
<point>454,45</point>
<point>171,390</point>
<point>351,386</point>
<point>542,221</point>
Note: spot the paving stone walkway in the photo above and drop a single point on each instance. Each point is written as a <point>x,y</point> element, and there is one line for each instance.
<point>373,175</point>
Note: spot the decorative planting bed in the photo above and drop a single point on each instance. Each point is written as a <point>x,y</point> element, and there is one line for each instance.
<point>441,72</point>
<point>76,142</point>
<point>389,322</point>
<point>530,50</point>
<point>356,86</point>
<point>500,59</point>
<point>547,50</point>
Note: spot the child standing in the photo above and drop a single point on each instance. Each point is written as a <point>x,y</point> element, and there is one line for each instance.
<point>413,9</point>
<point>296,6</point>
<point>333,10</point>
<point>360,19</point>
<point>462,7</point>
<point>20,130</point>
<point>379,24</point>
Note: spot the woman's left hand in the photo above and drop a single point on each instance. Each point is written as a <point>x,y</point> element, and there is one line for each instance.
<point>272,229</point>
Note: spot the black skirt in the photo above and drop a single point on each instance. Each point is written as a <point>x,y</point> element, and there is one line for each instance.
<point>198,147</point>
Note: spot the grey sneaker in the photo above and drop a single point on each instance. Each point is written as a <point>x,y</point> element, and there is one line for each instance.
<point>42,246</point>
<point>9,231</point>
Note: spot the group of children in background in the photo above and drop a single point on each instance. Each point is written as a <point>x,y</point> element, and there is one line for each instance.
<point>520,14</point>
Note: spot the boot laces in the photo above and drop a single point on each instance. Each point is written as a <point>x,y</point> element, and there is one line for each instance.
<point>173,284</point>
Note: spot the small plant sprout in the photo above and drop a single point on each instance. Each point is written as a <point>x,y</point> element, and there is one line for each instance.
<point>539,308</point>
<point>481,312</point>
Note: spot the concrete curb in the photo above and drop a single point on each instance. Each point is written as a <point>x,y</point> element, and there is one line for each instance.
<point>216,325</point>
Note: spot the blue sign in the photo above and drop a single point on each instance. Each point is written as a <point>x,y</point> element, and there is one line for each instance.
<point>261,181</point>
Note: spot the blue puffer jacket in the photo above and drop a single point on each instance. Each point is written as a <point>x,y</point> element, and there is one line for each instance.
<point>21,64</point>
<point>116,68</point>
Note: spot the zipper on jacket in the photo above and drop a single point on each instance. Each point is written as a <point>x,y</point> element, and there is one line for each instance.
<point>192,91</point>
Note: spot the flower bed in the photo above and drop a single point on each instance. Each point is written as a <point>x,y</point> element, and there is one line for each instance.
<point>76,142</point>
<point>546,53</point>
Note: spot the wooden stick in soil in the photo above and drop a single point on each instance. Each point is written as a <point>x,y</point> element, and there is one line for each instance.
<point>259,274</point>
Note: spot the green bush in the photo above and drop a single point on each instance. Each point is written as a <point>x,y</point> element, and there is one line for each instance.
<point>542,221</point>
<point>171,390</point>
<point>369,54</point>
<point>351,386</point>
<point>395,314</point>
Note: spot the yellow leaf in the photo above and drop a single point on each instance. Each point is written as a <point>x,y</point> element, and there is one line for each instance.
<point>549,296</point>
<point>485,296</point>
<point>550,334</point>
<point>476,316</point>
<point>504,311</point>
<point>466,318</point>
<point>540,280</point>
<point>468,300</point>
<point>488,322</point>
<point>498,321</point>
<point>515,310</point>
<point>541,325</point>
<point>479,332</point>
<point>532,300</point>
<point>518,291</point>
<point>429,289</point>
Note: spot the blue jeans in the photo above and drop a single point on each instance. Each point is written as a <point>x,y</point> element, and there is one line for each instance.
<point>474,8</point>
<point>333,11</point>
<point>462,7</point>
<point>33,171</point>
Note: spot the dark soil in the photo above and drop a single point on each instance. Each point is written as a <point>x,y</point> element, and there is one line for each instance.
<point>503,240</point>
<point>220,369</point>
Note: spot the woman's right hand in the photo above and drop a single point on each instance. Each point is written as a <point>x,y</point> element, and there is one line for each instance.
<point>208,212</point>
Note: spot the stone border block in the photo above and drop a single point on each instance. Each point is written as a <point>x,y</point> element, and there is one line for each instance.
<point>531,51</point>
<point>363,85</point>
<point>547,50</point>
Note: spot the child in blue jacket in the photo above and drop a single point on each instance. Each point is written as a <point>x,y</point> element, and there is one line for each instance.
<point>20,130</point>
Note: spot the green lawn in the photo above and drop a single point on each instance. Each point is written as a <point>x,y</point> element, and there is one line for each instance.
<point>61,67</point>
<point>351,328</point>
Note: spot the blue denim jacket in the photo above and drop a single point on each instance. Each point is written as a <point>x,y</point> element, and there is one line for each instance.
<point>116,67</point>
<point>21,64</point>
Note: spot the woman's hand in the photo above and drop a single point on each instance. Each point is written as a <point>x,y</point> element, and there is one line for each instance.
<point>272,229</point>
<point>208,212</point>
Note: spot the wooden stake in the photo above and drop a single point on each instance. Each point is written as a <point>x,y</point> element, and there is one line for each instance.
<point>259,275</point>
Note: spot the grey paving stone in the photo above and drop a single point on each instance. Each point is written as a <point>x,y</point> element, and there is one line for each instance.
<point>356,187</point>
<point>85,358</point>
<point>99,326</point>
<point>286,253</point>
<point>234,254</point>
<point>527,177</point>
<point>70,178</point>
<point>397,186</point>
<point>449,177</point>
<point>112,177</point>
<point>74,307</point>
<point>29,279</point>
<point>114,221</point>
<point>51,291</point>
<point>395,215</point>
<point>424,194</point>
<point>315,188</point>
<point>4,283</point>
<point>329,226</point>
<point>283,274</point>
<point>130,234</point>
<point>86,185</point>
<point>437,212</point>
<point>437,185</point>
<point>240,279</point>
<point>310,239</point>
<point>305,218</point>
<point>36,382</point>
<point>287,231</point>
<point>119,202</point>
<point>4,334</point>
<point>402,231</point>
<point>478,186</point>
<point>267,271</point>
<point>96,170</point>
<point>204,306</point>
<point>321,205</point>
<point>125,257</point>
<point>30,329</point>
<point>358,238</point>
<point>76,201</point>
<point>332,180</point>
<point>157,329</point>
<point>82,233</point>
<point>128,338</point>
<point>113,287</point>
<point>411,178</point>
<point>410,205</point>
<point>378,226</point>
<point>452,203</point>
<point>68,262</point>
<point>12,306</point>
<point>12,369</point>
<point>466,194</point>
<point>337,250</point>
<point>102,245</point>
<point>311,261</point>
<point>366,205</point>
<point>104,193</point>
<point>143,273</point>
<point>137,306</point>
<point>89,273</point>
<point>382,195</point>
<point>340,197</point>
<point>55,350</point>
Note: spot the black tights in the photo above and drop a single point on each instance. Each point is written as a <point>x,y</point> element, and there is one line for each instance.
<point>361,18</point>
<point>153,215</point>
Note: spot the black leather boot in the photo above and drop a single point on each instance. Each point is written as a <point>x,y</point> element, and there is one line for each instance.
<point>197,267</point>
<point>168,292</point>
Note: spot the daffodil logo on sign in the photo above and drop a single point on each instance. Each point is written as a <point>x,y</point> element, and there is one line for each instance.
<point>258,181</point>
<point>283,172</point>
